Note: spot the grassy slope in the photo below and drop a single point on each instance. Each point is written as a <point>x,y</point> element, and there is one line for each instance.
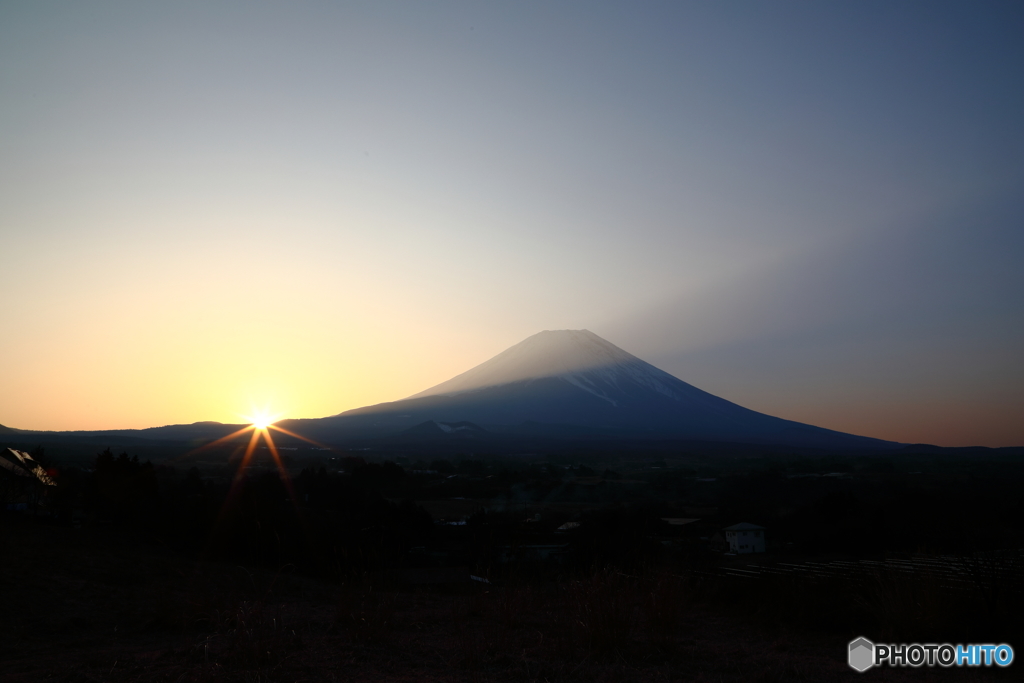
<point>86,605</point>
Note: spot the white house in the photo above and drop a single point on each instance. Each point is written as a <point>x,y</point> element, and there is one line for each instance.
<point>745,538</point>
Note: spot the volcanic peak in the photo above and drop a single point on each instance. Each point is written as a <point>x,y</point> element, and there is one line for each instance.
<point>578,356</point>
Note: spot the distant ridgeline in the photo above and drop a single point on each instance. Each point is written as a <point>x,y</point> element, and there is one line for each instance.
<point>560,385</point>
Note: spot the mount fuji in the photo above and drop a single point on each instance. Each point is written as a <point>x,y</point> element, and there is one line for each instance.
<point>574,383</point>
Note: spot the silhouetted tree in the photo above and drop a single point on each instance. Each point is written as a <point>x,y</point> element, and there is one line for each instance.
<point>126,491</point>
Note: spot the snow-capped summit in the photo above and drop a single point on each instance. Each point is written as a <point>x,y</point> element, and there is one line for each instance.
<point>576,356</point>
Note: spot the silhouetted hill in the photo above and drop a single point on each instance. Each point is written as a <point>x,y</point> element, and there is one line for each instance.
<point>198,431</point>
<point>563,384</point>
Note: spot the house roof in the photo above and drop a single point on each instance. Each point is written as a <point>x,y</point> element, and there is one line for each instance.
<point>743,526</point>
<point>13,465</point>
<point>21,464</point>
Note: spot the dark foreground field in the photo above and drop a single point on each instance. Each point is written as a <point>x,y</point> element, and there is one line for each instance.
<point>92,605</point>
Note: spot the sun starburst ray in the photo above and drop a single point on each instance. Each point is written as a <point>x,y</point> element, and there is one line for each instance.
<point>280,465</point>
<point>299,436</point>
<point>236,483</point>
<point>220,441</point>
<point>262,423</point>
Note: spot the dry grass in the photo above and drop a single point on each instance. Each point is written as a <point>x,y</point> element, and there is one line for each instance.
<point>366,615</point>
<point>603,611</point>
<point>94,608</point>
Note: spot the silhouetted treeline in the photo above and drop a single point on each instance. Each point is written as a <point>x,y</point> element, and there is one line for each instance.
<point>124,490</point>
<point>364,516</point>
<point>323,523</point>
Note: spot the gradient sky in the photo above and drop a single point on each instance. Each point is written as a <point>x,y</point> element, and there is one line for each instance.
<point>815,210</point>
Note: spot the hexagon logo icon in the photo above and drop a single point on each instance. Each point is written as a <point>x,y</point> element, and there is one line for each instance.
<point>862,654</point>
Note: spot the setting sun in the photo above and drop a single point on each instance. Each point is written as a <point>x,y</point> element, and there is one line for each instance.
<point>262,419</point>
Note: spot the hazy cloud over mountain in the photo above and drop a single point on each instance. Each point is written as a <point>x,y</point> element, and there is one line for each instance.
<point>921,316</point>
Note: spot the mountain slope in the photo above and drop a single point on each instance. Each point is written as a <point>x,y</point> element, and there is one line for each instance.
<point>575,378</point>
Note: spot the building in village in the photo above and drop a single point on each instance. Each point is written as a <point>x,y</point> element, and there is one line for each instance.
<point>24,484</point>
<point>745,538</point>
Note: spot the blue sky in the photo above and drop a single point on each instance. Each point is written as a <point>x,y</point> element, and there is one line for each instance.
<point>812,209</point>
